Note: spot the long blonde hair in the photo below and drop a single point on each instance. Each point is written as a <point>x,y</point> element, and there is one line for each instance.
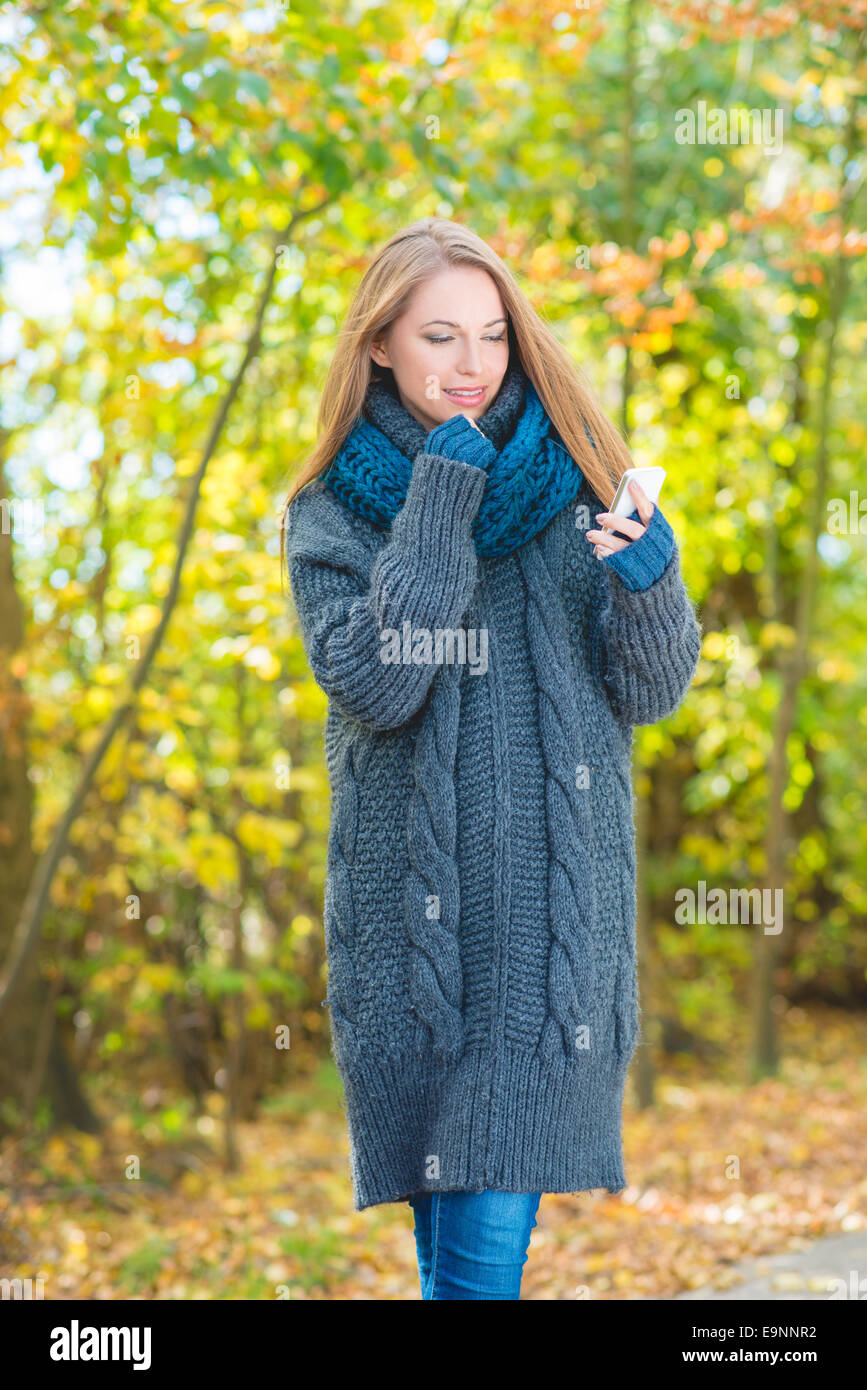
<point>407,260</point>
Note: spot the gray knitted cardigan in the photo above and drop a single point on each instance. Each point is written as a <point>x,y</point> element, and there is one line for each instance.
<point>480,895</point>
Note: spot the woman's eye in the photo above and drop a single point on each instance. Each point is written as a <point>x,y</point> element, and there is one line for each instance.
<point>492,338</point>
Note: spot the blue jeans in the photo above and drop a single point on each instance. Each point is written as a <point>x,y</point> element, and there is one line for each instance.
<point>473,1244</point>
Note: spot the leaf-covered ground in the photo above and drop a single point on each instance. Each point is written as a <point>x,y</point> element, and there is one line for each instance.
<point>284,1225</point>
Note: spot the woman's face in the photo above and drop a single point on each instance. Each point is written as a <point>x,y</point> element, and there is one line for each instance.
<point>449,350</point>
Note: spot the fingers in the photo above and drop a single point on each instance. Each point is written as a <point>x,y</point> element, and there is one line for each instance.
<point>625,525</point>
<point>607,545</point>
<point>642,501</point>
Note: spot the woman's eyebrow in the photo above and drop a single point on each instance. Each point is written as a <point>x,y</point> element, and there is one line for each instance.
<point>449,324</point>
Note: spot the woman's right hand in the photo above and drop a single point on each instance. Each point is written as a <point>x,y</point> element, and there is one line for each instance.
<point>462,439</point>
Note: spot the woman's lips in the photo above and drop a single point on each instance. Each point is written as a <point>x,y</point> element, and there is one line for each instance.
<point>462,397</point>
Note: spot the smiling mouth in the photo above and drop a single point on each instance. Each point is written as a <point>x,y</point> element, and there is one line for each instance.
<point>466,396</point>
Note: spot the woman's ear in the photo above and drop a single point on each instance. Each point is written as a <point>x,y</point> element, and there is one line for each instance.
<point>379,353</point>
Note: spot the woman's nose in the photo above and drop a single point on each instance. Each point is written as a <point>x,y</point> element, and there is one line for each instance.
<point>470,360</point>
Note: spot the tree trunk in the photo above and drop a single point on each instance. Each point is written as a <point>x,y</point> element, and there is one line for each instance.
<point>33,1063</point>
<point>794,663</point>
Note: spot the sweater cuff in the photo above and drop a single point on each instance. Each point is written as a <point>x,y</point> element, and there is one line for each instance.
<point>457,439</point>
<point>640,563</point>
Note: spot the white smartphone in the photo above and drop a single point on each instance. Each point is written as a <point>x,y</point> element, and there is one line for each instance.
<point>649,479</point>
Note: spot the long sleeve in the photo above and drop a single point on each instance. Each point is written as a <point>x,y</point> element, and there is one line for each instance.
<point>652,644</point>
<point>346,602</point>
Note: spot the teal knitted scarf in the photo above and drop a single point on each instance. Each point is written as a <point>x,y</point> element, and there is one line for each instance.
<point>531,479</point>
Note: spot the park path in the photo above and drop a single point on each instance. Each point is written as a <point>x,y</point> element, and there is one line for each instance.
<point>799,1274</point>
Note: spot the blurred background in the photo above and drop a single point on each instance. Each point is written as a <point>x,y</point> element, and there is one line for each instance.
<point>190,193</point>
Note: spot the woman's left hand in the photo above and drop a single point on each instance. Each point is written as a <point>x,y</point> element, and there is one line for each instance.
<point>607,541</point>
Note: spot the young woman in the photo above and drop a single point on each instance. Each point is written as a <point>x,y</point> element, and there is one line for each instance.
<point>484,669</point>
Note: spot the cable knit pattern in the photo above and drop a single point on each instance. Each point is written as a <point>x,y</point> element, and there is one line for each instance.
<point>432,903</point>
<point>342,980</point>
<point>570,893</point>
<point>480,904</point>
